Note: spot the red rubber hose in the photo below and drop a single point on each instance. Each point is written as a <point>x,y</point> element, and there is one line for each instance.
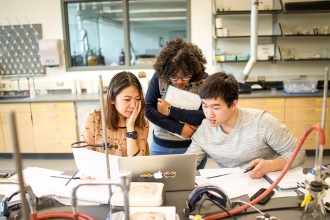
<point>62,215</point>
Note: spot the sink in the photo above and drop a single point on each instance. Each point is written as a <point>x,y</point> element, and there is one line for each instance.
<point>14,94</point>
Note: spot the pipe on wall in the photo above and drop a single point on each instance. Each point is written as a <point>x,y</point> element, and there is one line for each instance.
<point>253,40</point>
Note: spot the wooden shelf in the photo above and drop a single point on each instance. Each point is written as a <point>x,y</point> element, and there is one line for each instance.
<point>246,12</point>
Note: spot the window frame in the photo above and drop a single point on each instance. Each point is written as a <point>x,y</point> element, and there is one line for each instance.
<point>126,29</point>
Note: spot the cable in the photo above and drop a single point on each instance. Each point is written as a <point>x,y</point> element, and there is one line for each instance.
<point>252,206</point>
<point>285,169</point>
<point>218,205</point>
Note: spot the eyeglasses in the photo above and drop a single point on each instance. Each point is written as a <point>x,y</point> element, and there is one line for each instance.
<point>183,78</point>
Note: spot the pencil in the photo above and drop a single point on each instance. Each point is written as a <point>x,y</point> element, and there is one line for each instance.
<point>248,169</point>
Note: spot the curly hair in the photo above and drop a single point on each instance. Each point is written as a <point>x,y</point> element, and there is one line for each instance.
<point>181,57</point>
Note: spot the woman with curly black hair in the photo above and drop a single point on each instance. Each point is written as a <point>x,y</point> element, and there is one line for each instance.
<point>179,64</point>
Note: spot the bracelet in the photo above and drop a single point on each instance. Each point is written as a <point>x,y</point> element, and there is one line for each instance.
<point>168,111</point>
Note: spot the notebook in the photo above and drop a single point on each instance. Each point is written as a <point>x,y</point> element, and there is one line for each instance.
<point>176,171</point>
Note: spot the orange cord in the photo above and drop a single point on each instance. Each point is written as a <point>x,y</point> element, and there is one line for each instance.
<point>274,184</point>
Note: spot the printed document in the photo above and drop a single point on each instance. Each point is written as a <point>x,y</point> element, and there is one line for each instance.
<point>182,99</point>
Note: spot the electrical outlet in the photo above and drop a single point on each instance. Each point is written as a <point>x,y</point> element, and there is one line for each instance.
<point>59,84</point>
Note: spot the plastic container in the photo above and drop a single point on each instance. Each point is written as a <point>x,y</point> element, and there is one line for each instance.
<point>300,86</point>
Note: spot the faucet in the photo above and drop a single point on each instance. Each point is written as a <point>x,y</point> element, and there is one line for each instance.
<point>33,91</point>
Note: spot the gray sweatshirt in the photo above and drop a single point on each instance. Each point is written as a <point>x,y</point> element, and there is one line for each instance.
<point>257,134</point>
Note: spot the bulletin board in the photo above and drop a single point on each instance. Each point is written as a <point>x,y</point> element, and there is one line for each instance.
<point>19,52</point>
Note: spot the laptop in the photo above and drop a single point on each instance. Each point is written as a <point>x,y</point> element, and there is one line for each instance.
<point>176,171</point>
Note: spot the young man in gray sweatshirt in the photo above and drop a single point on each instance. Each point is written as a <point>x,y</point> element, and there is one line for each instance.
<point>240,137</point>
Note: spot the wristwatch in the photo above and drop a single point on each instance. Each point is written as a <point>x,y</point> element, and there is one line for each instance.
<point>132,134</point>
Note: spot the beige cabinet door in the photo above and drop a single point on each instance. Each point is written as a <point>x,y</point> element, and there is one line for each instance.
<point>24,132</point>
<point>54,126</point>
<point>2,139</point>
<point>301,113</point>
<point>274,106</point>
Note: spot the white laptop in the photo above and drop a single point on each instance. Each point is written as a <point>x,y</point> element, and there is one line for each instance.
<point>176,171</point>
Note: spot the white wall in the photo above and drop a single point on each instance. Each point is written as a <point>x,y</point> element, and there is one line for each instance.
<point>48,14</point>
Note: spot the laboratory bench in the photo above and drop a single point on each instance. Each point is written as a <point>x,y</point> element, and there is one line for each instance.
<point>281,208</point>
<point>55,119</point>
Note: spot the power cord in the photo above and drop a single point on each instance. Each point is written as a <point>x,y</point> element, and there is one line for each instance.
<point>218,205</point>
<point>252,206</point>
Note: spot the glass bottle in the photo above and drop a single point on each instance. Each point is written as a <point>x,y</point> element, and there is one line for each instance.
<point>91,59</point>
<point>100,58</point>
<point>122,57</point>
<point>314,210</point>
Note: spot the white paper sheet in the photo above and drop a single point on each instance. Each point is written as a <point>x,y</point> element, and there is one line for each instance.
<point>182,99</point>
<point>289,181</point>
<point>42,183</point>
<point>235,184</point>
<point>93,164</point>
<point>39,180</point>
<point>215,172</point>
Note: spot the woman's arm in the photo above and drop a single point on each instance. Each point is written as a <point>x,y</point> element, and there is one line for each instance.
<point>143,141</point>
<point>88,129</point>
<point>193,117</point>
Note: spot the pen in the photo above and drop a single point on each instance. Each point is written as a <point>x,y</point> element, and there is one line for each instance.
<point>71,178</point>
<point>63,177</point>
<point>249,169</point>
<point>210,177</point>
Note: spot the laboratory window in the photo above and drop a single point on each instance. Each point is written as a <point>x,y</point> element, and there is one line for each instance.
<point>120,34</point>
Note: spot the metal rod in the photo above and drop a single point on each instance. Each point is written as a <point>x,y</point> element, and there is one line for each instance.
<point>104,134</point>
<point>18,164</point>
<point>319,148</point>
<point>123,182</point>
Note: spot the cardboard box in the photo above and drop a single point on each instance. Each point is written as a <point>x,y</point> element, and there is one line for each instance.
<point>265,51</point>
